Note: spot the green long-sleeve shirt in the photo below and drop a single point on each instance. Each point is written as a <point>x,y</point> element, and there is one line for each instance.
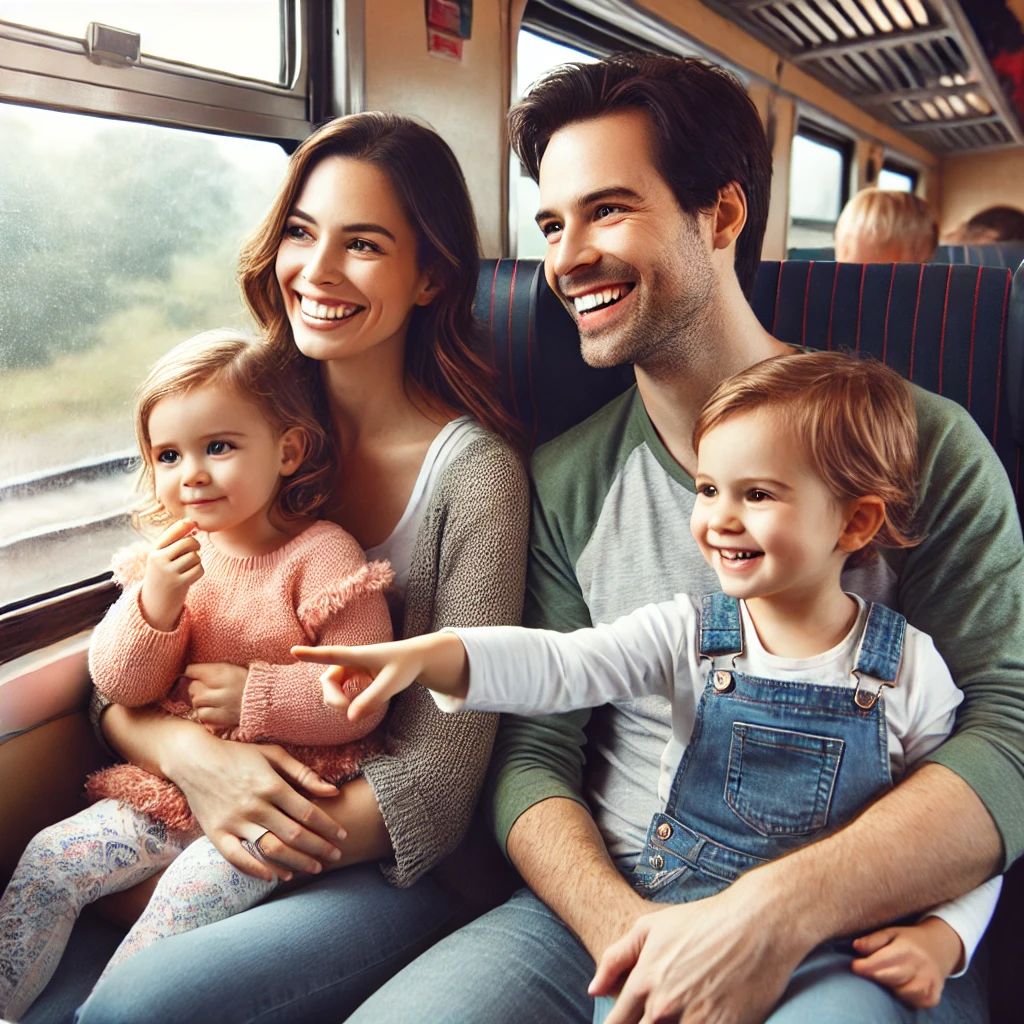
<point>611,532</point>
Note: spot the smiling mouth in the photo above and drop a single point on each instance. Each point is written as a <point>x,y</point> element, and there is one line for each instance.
<point>319,311</point>
<point>735,555</point>
<point>593,301</point>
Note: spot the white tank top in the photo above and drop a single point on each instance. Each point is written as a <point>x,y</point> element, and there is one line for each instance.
<point>451,440</point>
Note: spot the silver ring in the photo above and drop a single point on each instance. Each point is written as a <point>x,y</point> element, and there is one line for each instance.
<point>252,847</point>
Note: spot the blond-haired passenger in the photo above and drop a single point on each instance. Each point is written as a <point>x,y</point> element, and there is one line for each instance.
<point>880,226</point>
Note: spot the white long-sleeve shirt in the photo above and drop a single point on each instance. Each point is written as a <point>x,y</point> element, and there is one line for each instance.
<point>654,651</point>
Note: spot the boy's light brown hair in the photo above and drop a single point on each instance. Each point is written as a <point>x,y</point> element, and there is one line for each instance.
<point>882,226</point>
<point>855,419</point>
<point>273,381</point>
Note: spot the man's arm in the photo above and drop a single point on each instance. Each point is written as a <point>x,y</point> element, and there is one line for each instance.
<point>592,898</point>
<point>964,586</point>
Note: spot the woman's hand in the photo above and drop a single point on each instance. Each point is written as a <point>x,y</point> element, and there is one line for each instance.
<point>171,568</point>
<point>242,790</point>
<point>236,790</point>
<point>215,689</point>
<point>437,660</point>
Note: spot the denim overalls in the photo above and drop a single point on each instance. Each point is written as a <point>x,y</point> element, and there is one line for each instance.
<point>771,765</point>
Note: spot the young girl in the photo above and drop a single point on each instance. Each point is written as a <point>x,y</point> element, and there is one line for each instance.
<point>794,704</point>
<point>236,467</point>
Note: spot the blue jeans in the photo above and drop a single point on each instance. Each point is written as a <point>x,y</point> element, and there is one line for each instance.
<point>308,956</point>
<point>520,963</point>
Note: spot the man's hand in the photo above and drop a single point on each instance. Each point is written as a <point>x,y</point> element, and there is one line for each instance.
<point>215,689</point>
<point>913,962</point>
<point>171,568</point>
<point>723,960</point>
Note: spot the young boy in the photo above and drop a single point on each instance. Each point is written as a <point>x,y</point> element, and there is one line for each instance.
<point>810,703</point>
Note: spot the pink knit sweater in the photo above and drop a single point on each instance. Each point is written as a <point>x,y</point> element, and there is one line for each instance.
<point>315,589</point>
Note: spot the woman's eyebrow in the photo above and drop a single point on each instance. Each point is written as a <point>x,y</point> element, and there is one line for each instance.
<point>363,228</point>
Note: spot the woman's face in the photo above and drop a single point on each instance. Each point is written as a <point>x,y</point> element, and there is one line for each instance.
<point>347,264</point>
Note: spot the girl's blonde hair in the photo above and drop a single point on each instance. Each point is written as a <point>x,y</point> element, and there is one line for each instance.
<point>275,382</point>
<point>855,419</point>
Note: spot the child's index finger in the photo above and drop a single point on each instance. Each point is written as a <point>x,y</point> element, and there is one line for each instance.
<point>177,530</point>
<point>325,655</point>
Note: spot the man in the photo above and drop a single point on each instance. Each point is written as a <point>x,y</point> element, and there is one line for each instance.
<point>654,176</point>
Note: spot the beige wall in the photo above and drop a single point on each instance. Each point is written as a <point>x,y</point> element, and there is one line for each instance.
<point>974,181</point>
<point>465,102</point>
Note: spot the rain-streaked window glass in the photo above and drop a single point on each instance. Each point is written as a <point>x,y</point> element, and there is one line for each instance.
<point>241,37</point>
<point>535,56</point>
<point>120,240</point>
<point>895,180</point>
<point>817,176</point>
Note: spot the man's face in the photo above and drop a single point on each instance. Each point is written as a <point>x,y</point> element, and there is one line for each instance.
<point>631,267</point>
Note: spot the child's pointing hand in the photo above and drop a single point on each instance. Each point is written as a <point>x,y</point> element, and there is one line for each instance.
<point>437,660</point>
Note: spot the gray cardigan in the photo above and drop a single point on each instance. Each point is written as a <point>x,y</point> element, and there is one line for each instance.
<point>468,569</point>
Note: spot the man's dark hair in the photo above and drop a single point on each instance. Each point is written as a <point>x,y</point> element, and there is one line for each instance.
<point>707,133</point>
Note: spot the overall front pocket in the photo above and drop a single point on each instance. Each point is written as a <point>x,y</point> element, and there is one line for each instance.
<point>780,782</point>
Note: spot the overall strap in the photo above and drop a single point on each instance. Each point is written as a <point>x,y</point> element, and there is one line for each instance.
<point>879,653</point>
<point>721,630</point>
<point>881,645</point>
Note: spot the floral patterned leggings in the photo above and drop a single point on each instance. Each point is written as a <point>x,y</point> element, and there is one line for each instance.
<point>107,848</point>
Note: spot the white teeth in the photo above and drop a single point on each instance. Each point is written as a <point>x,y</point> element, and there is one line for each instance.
<point>584,303</point>
<point>322,312</point>
<point>737,556</point>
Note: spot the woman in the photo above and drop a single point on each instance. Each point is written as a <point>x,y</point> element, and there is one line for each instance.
<point>367,263</point>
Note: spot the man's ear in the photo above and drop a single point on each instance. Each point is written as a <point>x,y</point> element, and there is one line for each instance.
<point>293,450</point>
<point>730,215</point>
<point>864,517</point>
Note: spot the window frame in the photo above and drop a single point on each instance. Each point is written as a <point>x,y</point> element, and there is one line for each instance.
<point>843,145</point>
<point>906,169</point>
<point>47,70</point>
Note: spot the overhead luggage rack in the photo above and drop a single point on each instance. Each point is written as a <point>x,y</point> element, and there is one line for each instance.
<point>916,65</point>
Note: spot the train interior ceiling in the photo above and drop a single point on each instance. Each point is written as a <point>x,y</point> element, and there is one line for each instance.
<point>173,125</point>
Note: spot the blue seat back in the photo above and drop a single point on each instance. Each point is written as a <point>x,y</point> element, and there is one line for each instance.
<point>956,330</point>
<point>1008,255</point>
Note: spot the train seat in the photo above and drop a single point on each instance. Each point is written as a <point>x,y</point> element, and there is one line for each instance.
<point>1008,255</point>
<point>955,330</point>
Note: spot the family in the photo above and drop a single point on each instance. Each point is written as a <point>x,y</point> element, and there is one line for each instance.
<point>761,748</point>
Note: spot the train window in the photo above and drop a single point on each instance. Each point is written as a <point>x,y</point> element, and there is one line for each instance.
<point>191,33</point>
<point>535,56</point>
<point>120,239</point>
<point>818,187</point>
<point>897,179</point>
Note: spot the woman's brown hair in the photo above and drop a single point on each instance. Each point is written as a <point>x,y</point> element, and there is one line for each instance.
<point>440,356</point>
